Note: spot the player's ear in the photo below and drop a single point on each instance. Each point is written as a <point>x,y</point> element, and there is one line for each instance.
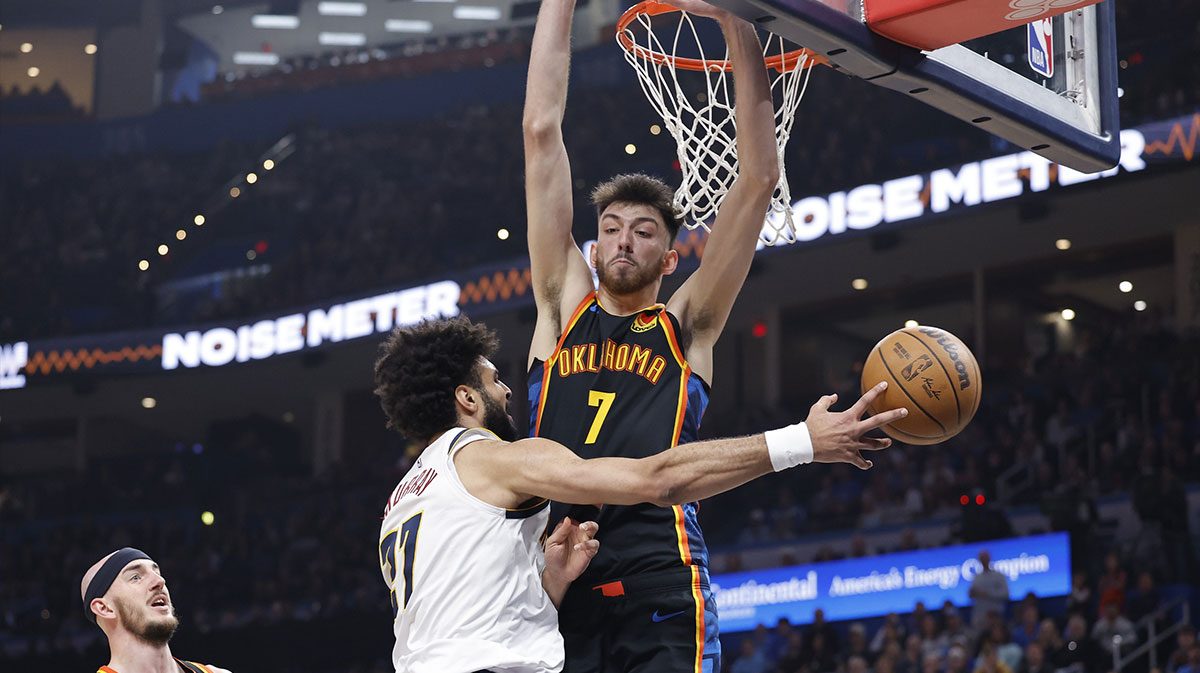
<point>670,262</point>
<point>592,256</point>
<point>467,399</point>
<point>102,609</point>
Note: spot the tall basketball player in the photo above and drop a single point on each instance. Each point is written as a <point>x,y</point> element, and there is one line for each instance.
<point>125,594</point>
<point>615,373</point>
<point>461,541</point>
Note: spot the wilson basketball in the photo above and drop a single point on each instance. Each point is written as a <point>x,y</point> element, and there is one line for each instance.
<point>930,372</point>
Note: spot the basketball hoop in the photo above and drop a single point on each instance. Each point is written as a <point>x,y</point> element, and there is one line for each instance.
<point>702,122</point>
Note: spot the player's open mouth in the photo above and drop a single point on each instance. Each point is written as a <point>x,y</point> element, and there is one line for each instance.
<point>160,602</point>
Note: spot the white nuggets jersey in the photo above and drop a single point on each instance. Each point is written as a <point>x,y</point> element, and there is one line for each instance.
<point>465,576</point>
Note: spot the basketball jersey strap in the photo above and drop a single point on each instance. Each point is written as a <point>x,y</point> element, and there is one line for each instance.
<point>189,666</point>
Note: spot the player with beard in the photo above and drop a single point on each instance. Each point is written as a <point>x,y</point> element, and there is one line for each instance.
<point>461,544</point>
<point>613,372</point>
<point>125,594</point>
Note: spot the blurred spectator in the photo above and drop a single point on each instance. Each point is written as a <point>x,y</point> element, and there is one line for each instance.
<point>956,660</point>
<point>934,642</point>
<point>751,659</point>
<point>1049,639</point>
<point>757,531</point>
<point>1034,660</point>
<point>891,630</point>
<point>1078,648</point>
<point>825,630</point>
<point>1008,652</point>
<point>1080,600</point>
<point>856,642</point>
<point>1026,629</point>
<point>989,661</point>
<point>793,658</point>
<point>1113,631</point>
<point>1193,661</point>
<point>989,593</point>
<point>1111,587</point>
<point>1177,540</point>
<point>781,636</point>
<point>1144,599</point>
<point>1185,640</point>
<point>822,657</point>
<point>910,660</point>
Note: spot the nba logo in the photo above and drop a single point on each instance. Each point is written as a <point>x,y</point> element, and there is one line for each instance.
<point>1041,47</point>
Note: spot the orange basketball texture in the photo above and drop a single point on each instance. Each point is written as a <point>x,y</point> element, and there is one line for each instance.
<point>930,372</point>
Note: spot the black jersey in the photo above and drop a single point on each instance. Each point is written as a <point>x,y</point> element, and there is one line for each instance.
<point>620,386</point>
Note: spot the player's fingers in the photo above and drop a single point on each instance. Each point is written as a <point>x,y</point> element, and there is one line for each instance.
<point>824,402</point>
<point>860,407</point>
<point>561,531</point>
<point>881,419</point>
<point>584,532</point>
<point>591,547</point>
<point>858,461</point>
<point>874,443</point>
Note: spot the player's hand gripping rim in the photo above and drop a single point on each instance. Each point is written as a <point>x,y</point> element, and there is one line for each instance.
<point>839,436</point>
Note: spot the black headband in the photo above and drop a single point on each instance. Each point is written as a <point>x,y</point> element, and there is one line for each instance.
<point>107,573</point>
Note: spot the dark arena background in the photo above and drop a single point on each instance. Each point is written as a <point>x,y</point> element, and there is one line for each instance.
<point>208,226</point>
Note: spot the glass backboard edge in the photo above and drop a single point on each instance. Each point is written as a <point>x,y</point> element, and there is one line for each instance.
<point>857,51</point>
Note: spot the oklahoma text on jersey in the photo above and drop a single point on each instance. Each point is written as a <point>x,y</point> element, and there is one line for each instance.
<point>618,358</point>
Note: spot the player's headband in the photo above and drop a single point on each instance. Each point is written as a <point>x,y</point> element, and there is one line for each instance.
<point>107,573</point>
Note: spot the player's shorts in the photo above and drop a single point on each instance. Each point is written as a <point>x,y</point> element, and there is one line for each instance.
<point>661,622</point>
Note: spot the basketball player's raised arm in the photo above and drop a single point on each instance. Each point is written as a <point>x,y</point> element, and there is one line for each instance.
<point>703,302</point>
<point>561,278</point>
<point>544,468</point>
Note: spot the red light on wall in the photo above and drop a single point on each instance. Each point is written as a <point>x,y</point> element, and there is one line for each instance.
<point>260,247</point>
<point>759,330</point>
<point>979,499</point>
<point>965,500</point>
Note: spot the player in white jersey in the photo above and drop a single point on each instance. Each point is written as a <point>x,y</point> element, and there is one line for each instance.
<point>461,545</point>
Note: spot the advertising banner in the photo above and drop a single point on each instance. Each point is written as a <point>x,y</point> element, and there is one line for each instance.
<point>876,585</point>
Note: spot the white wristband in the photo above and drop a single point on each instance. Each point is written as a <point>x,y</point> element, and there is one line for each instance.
<point>789,447</point>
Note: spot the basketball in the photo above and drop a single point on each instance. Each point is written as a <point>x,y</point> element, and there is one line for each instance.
<point>931,373</point>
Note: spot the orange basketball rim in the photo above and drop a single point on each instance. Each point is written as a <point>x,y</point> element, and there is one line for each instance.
<point>648,8</point>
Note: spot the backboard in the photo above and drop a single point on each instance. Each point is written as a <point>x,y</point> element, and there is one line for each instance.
<point>1049,86</point>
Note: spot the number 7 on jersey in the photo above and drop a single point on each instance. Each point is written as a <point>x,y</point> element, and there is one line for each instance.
<point>604,402</point>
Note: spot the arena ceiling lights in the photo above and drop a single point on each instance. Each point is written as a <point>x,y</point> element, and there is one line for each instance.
<point>342,8</point>
<point>293,28</point>
<point>408,26</point>
<point>478,13</point>
<point>280,21</point>
<point>255,58</point>
<point>342,39</point>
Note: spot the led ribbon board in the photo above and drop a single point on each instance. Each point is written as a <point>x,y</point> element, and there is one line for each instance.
<point>878,585</point>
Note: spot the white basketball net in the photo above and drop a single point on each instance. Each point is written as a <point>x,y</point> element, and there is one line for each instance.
<point>702,122</point>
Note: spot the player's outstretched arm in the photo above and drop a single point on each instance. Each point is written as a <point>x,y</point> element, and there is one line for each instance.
<point>543,468</point>
<point>703,302</point>
<point>561,278</point>
<point>569,550</point>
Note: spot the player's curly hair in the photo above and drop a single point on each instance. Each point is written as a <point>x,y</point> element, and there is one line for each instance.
<point>421,365</point>
<point>642,189</point>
